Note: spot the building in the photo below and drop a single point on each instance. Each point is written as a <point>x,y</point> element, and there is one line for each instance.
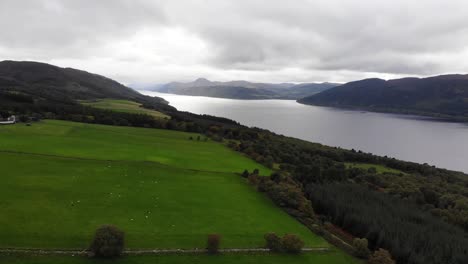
<point>11,120</point>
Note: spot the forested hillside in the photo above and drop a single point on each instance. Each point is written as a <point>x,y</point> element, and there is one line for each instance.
<point>244,89</point>
<point>39,87</point>
<point>444,96</point>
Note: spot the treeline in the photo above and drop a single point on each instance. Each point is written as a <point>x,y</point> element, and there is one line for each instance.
<point>28,107</point>
<point>431,193</point>
<point>412,236</point>
<point>441,192</point>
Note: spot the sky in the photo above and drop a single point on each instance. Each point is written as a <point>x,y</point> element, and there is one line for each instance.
<point>158,41</point>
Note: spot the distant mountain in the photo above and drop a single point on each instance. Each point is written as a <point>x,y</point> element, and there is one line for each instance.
<point>306,89</point>
<point>45,82</point>
<point>444,96</point>
<point>243,89</point>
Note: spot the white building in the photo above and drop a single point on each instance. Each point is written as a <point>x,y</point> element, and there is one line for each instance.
<point>9,121</point>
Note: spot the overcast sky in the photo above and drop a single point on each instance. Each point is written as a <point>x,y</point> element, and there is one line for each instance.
<point>153,41</point>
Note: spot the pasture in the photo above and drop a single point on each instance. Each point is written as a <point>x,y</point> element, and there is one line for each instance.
<point>61,180</point>
<point>333,257</point>
<point>123,106</point>
<point>88,141</point>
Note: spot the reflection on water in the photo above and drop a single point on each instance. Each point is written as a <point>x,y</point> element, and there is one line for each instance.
<point>414,139</point>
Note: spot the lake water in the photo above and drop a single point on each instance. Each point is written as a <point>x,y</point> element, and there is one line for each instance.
<point>408,138</point>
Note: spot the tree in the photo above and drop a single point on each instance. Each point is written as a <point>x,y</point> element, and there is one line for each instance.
<point>212,246</point>
<point>108,242</point>
<point>4,114</point>
<point>256,172</point>
<point>381,256</point>
<point>23,118</point>
<point>276,177</point>
<point>273,242</point>
<point>245,174</point>
<point>292,244</point>
<point>361,246</point>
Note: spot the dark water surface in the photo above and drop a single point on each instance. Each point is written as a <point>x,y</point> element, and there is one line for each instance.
<point>404,137</point>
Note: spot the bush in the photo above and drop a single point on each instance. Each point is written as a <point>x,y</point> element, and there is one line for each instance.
<point>212,246</point>
<point>108,242</point>
<point>361,247</point>
<point>245,174</point>
<point>292,243</point>
<point>381,256</point>
<point>273,242</point>
<point>253,179</point>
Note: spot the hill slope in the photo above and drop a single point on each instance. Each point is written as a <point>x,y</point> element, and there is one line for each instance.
<point>164,190</point>
<point>28,82</point>
<point>444,96</point>
<point>243,89</point>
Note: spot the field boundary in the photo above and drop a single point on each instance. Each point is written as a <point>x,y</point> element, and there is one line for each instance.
<point>113,160</point>
<point>136,252</point>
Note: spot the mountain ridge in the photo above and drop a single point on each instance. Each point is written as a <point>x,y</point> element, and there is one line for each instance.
<point>442,96</point>
<point>39,83</point>
<point>240,89</point>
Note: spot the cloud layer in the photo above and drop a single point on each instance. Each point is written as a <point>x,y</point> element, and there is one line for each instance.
<point>137,41</point>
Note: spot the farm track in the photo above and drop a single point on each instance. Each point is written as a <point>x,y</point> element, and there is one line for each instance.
<point>136,252</point>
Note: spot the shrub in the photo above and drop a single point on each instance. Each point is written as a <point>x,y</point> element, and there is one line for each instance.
<point>245,174</point>
<point>254,179</point>
<point>212,246</point>
<point>361,247</point>
<point>108,242</point>
<point>23,118</point>
<point>292,243</point>
<point>381,256</point>
<point>273,242</point>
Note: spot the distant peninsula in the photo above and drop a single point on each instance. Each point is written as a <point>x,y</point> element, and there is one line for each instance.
<point>243,89</point>
<point>443,97</point>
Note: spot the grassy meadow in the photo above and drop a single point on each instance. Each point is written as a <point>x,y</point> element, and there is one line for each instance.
<point>61,180</point>
<point>333,257</point>
<point>157,206</point>
<point>123,106</point>
<point>79,140</point>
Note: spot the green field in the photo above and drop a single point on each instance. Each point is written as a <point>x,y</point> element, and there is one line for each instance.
<point>101,142</point>
<point>333,257</point>
<point>61,180</point>
<point>378,168</point>
<point>123,106</point>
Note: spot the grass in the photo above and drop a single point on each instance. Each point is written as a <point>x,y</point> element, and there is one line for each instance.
<point>101,174</point>
<point>157,206</point>
<point>379,168</point>
<point>61,180</point>
<point>334,257</point>
<point>123,106</point>
<point>124,143</point>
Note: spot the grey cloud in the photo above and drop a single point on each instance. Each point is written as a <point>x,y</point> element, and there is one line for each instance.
<point>252,37</point>
<point>71,28</point>
<point>377,35</point>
